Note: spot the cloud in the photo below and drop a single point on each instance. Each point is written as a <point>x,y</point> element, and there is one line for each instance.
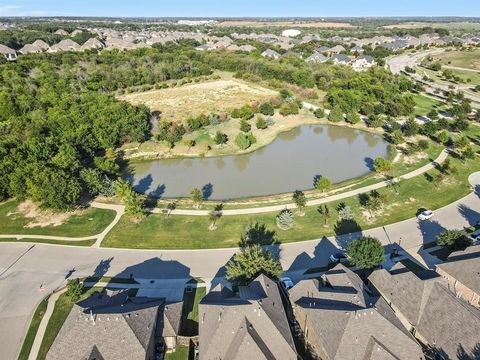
<point>17,10</point>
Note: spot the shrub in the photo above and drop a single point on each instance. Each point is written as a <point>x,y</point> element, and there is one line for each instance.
<point>374,121</point>
<point>289,108</point>
<point>245,126</point>
<point>285,220</point>
<point>366,252</point>
<point>322,183</point>
<point>319,113</point>
<point>242,141</point>
<point>336,114</point>
<point>353,118</point>
<point>423,144</point>
<point>454,239</point>
<point>381,165</point>
<point>267,109</point>
<point>220,138</point>
<point>261,123</point>
<point>74,289</point>
<point>251,138</point>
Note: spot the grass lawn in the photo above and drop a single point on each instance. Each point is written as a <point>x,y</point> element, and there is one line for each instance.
<point>86,243</point>
<point>191,232</point>
<point>62,308</point>
<point>189,323</point>
<point>32,329</point>
<point>464,59</point>
<point>181,353</point>
<point>424,104</point>
<point>90,221</point>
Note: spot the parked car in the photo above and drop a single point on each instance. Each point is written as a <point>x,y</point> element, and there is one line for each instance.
<point>425,214</point>
<point>475,236</point>
<point>338,257</point>
<point>287,283</point>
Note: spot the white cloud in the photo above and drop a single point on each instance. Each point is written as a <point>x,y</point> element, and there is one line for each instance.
<point>16,10</point>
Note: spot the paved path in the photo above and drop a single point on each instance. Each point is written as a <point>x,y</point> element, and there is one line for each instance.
<point>43,325</point>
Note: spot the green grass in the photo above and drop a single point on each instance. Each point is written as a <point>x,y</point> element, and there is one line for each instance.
<point>90,222</point>
<point>32,329</point>
<point>62,308</point>
<point>463,59</point>
<point>191,232</point>
<point>189,324</point>
<point>86,243</point>
<point>424,104</point>
<point>181,353</point>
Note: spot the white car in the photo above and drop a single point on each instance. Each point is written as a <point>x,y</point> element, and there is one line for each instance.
<point>425,215</point>
<point>286,282</point>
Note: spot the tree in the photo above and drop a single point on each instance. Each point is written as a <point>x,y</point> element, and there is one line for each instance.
<point>245,126</point>
<point>324,212</point>
<point>285,220</point>
<point>135,206</point>
<point>213,217</point>
<point>454,239</point>
<point>443,137</point>
<point>410,128</point>
<point>366,252</point>
<point>461,142</point>
<point>289,108</point>
<point>353,118</point>
<point>220,138</point>
<point>189,143</point>
<point>468,153</point>
<point>382,165</point>
<point>267,109</point>
<point>74,289</point>
<point>258,234</point>
<point>319,113</point>
<point>197,197</point>
<point>300,200</point>
<point>322,183</point>
<point>374,121</point>
<point>249,263</point>
<point>433,114</point>
<point>336,114</point>
<point>371,202</point>
<point>396,137</point>
<point>242,141</point>
<point>345,213</point>
<point>261,123</point>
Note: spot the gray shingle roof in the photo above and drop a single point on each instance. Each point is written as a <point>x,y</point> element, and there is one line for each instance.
<point>342,58</point>
<point>317,57</point>
<point>252,325</point>
<point>109,327</point>
<point>349,323</point>
<point>270,53</point>
<point>444,320</point>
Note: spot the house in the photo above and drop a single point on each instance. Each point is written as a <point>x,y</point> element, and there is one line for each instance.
<point>341,320</point>
<point>108,326</point>
<point>65,45</point>
<point>357,49</point>
<point>336,49</point>
<point>250,325</point>
<point>317,58</point>
<point>271,54</point>
<point>396,45</point>
<point>363,62</point>
<point>9,54</point>
<point>341,59</point>
<point>462,271</point>
<point>291,32</point>
<point>205,47</point>
<point>76,32</point>
<point>92,43</point>
<point>61,32</point>
<point>30,49</point>
<point>247,48</point>
<point>322,50</point>
<point>430,310</point>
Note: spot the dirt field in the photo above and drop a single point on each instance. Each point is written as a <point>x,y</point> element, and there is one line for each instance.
<point>179,103</point>
<point>297,24</point>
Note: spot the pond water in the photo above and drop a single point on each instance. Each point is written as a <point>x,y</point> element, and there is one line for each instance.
<point>291,162</point>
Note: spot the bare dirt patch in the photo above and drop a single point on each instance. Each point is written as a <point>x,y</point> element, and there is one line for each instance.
<point>40,218</point>
<point>179,103</point>
<point>297,24</point>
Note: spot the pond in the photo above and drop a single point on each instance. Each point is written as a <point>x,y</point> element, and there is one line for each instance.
<point>289,163</point>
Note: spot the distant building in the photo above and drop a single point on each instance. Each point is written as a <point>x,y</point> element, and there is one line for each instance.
<point>271,54</point>
<point>341,59</point>
<point>250,325</point>
<point>92,43</point>
<point>317,58</point>
<point>431,311</point>
<point>336,49</point>
<point>363,62</point>
<point>8,53</point>
<point>205,47</point>
<point>65,45</point>
<point>357,49</point>
<point>291,32</point>
<point>30,49</point>
<point>340,320</point>
<point>61,32</point>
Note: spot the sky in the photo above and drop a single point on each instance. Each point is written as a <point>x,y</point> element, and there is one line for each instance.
<point>240,8</point>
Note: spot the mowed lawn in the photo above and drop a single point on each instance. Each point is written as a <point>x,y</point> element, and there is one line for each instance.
<point>191,232</point>
<point>424,104</point>
<point>88,222</point>
<point>469,59</point>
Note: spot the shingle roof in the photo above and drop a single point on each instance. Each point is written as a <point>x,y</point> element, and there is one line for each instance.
<point>6,50</point>
<point>65,45</point>
<point>444,320</point>
<point>341,58</point>
<point>348,322</point>
<point>317,57</point>
<point>41,44</point>
<point>29,48</point>
<point>465,267</point>
<point>92,43</point>
<point>270,53</point>
<point>252,325</point>
<point>108,327</point>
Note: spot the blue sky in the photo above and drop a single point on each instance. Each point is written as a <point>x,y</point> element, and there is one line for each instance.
<point>238,8</point>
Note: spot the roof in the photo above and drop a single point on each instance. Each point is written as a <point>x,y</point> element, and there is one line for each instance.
<point>65,45</point>
<point>250,325</point>
<point>270,53</point>
<point>170,316</point>
<point>348,322</point>
<point>336,49</point>
<point>464,266</point>
<point>369,59</point>
<point>6,50</point>
<point>317,57</point>
<point>109,326</point>
<point>341,58</point>
<point>92,43</point>
<point>432,308</point>
<point>322,49</point>
<point>41,44</point>
<point>30,48</point>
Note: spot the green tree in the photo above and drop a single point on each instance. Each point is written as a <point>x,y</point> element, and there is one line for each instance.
<point>135,206</point>
<point>410,128</point>
<point>242,141</point>
<point>319,113</point>
<point>285,220</point>
<point>261,123</point>
<point>74,289</point>
<point>245,126</point>
<point>345,213</point>
<point>396,137</point>
<point>213,217</point>
<point>336,114</point>
<point>454,239</point>
<point>461,142</point>
<point>189,143</point>
<point>249,263</point>
<point>324,212</point>
<point>196,196</point>
<point>353,118</point>
<point>366,252</point>
<point>258,234</point>
<point>322,183</point>
<point>382,165</point>
<point>300,200</point>
<point>443,137</point>
<point>371,202</point>
<point>267,109</point>
<point>468,153</point>
<point>220,138</point>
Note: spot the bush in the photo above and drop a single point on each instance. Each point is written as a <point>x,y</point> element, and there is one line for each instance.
<point>289,108</point>
<point>251,138</point>
<point>353,118</point>
<point>336,114</point>
<point>381,165</point>
<point>220,138</point>
<point>374,121</point>
<point>319,113</point>
<point>322,183</point>
<point>245,126</point>
<point>285,220</point>
<point>261,123</point>
<point>242,141</point>
<point>74,289</point>
<point>454,239</point>
<point>267,109</point>
<point>423,144</point>
<point>366,252</point>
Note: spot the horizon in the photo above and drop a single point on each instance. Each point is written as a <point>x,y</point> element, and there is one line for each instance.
<point>245,9</point>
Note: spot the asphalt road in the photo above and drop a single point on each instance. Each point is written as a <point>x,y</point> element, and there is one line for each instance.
<point>24,267</point>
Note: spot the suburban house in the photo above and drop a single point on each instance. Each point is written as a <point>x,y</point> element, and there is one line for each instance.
<point>336,49</point>
<point>317,57</point>
<point>363,62</point>
<point>322,50</point>
<point>61,32</point>
<point>41,44</point>
<point>9,54</point>
<point>110,324</point>
<point>30,49</point>
<point>65,45</point>
<point>431,311</point>
<point>92,43</point>
<point>249,325</point>
<point>462,271</point>
<point>341,59</point>
<point>341,320</point>
<point>206,47</point>
<point>357,49</point>
<point>271,54</point>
